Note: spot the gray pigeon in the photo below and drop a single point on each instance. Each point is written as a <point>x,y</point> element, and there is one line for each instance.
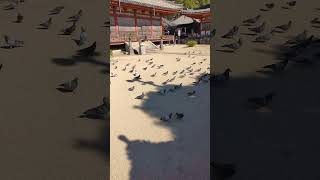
<point>284,27</point>
<point>258,29</point>
<point>11,42</point>
<point>166,118</point>
<point>265,37</point>
<point>47,24</point>
<point>69,86</point>
<point>56,10</point>
<point>69,30</point>
<point>131,88</point>
<point>234,46</point>
<point>299,38</point>
<point>76,17</point>
<point>83,37</point>
<point>140,96</point>
<point>231,33</point>
<point>252,20</point>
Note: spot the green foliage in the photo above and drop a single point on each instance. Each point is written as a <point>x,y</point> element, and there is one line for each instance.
<point>191,43</point>
<point>191,4</point>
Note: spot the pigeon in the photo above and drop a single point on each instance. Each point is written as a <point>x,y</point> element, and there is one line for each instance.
<point>177,86</point>
<point>12,43</point>
<point>179,116</point>
<point>284,27</point>
<point>315,21</point>
<point>222,77</point>
<point>165,73</point>
<point>124,68</point>
<point>153,66</point>
<point>153,75</point>
<point>291,3</point>
<point>56,10</point>
<point>182,72</point>
<point>182,76</point>
<point>166,118</point>
<point>128,64</point>
<point>19,18</point>
<point>172,79</point>
<point>252,20</point>
<point>174,73</point>
<point>193,63</point>
<point>113,75</point>
<point>69,30</point>
<point>69,86</point>
<point>258,29</point>
<point>89,51</point>
<point>299,38</point>
<point>261,101</point>
<point>165,82</point>
<point>1,66</point>
<point>131,71</point>
<point>150,63</point>
<point>136,78</point>
<point>192,93</point>
<point>160,66</point>
<point>277,67</point>
<point>198,70</point>
<point>233,32</point>
<point>99,112</point>
<point>83,37</point>
<point>234,46</point>
<point>303,44</point>
<point>47,24</point>
<point>11,6</point>
<point>269,5</point>
<point>76,17</point>
<point>145,68</point>
<point>178,59</point>
<point>223,171</point>
<point>140,96</point>
<point>163,92</point>
<point>265,37</point>
<point>131,88</point>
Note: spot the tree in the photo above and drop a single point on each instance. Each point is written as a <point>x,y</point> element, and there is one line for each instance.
<point>191,4</point>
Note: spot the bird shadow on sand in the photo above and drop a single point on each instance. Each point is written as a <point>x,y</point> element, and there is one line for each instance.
<point>176,158</point>
<point>75,60</point>
<point>99,145</point>
<point>225,51</point>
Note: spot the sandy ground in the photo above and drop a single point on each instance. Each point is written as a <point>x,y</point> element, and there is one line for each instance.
<point>143,147</point>
<point>283,142</point>
<point>41,134</point>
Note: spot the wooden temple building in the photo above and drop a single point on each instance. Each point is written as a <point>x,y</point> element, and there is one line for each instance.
<point>140,19</point>
<point>203,15</point>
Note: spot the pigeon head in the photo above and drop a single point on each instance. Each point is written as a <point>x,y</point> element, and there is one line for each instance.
<point>80,12</point>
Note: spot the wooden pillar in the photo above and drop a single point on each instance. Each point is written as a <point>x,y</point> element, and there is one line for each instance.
<point>161,23</point>
<point>151,29</point>
<point>115,15</point>
<point>135,22</point>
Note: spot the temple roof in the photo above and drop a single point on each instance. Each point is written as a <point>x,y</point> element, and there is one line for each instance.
<point>161,4</point>
<point>183,20</point>
<point>195,11</point>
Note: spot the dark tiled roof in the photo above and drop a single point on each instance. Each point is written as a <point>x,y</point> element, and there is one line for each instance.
<point>163,4</point>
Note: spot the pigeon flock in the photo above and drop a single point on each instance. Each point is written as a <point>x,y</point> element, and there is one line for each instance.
<point>301,50</point>
<point>10,42</point>
<point>149,71</point>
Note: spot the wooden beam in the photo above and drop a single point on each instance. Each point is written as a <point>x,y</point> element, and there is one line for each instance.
<point>135,22</point>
